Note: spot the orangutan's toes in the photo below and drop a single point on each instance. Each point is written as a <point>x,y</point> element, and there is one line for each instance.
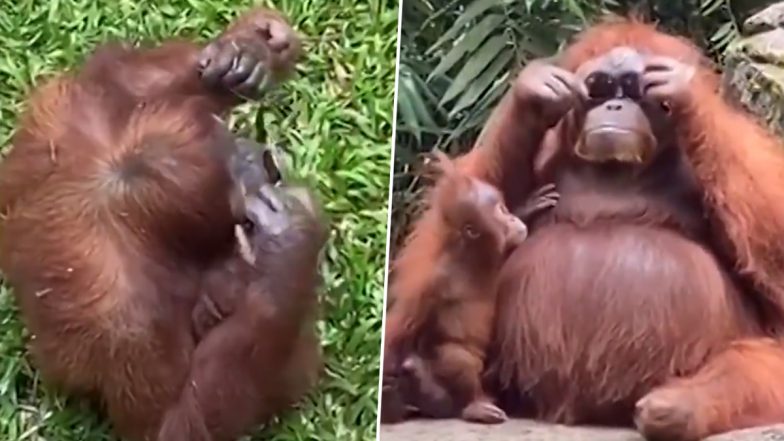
<point>484,412</point>
<point>665,416</point>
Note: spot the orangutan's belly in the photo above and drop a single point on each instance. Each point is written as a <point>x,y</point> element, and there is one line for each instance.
<point>590,319</point>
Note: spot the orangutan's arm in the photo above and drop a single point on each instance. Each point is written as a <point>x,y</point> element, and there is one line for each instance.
<point>504,152</point>
<point>741,169</point>
<point>503,156</point>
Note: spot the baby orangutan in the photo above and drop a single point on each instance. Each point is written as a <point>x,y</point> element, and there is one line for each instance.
<point>257,309</point>
<point>444,341</point>
<point>253,166</point>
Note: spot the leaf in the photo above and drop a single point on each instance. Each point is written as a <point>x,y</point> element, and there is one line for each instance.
<point>424,90</point>
<point>422,109</point>
<point>413,111</point>
<point>473,11</point>
<point>407,120</point>
<point>468,43</point>
<point>710,6</point>
<point>419,6</point>
<point>488,77</point>
<point>487,53</point>
<point>722,32</point>
<point>481,111</point>
<point>539,40</point>
<point>573,7</point>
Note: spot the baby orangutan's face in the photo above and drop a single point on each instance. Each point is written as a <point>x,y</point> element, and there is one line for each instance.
<point>417,392</point>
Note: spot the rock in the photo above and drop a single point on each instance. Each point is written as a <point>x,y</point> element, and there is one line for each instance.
<point>769,433</point>
<point>754,76</point>
<point>527,430</point>
<point>513,430</point>
<point>765,47</point>
<point>769,18</point>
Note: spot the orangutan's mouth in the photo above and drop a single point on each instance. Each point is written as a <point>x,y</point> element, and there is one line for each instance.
<point>609,128</point>
<point>612,143</point>
<point>616,134</point>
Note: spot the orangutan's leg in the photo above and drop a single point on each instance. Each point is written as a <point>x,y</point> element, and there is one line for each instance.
<point>740,387</point>
<point>464,368</point>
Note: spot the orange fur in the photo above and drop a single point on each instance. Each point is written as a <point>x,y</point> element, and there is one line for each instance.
<point>740,387</point>
<point>113,201</point>
<point>444,340</point>
<point>417,296</point>
<point>737,161</point>
<point>709,339</point>
<point>450,317</point>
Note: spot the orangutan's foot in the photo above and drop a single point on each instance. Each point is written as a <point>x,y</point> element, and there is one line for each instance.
<point>485,412</point>
<point>666,415</point>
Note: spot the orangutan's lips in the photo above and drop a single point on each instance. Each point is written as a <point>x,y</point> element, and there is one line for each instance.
<point>609,129</point>
<point>612,143</point>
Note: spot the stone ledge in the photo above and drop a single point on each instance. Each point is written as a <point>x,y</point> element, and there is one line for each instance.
<point>527,430</point>
<point>771,17</point>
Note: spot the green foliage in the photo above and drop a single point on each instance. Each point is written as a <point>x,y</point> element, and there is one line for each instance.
<point>336,118</point>
<point>458,57</point>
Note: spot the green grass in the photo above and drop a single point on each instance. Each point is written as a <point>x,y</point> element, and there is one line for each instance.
<point>336,116</point>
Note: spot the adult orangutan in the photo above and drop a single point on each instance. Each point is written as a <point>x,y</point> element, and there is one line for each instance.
<point>654,291</point>
<point>119,205</point>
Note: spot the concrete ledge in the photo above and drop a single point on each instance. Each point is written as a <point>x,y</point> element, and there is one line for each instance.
<point>527,430</point>
<point>514,430</point>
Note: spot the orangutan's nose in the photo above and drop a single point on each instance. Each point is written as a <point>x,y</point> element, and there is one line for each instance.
<point>614,105</point>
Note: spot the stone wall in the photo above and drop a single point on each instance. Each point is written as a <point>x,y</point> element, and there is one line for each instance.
<point>754,67</point>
